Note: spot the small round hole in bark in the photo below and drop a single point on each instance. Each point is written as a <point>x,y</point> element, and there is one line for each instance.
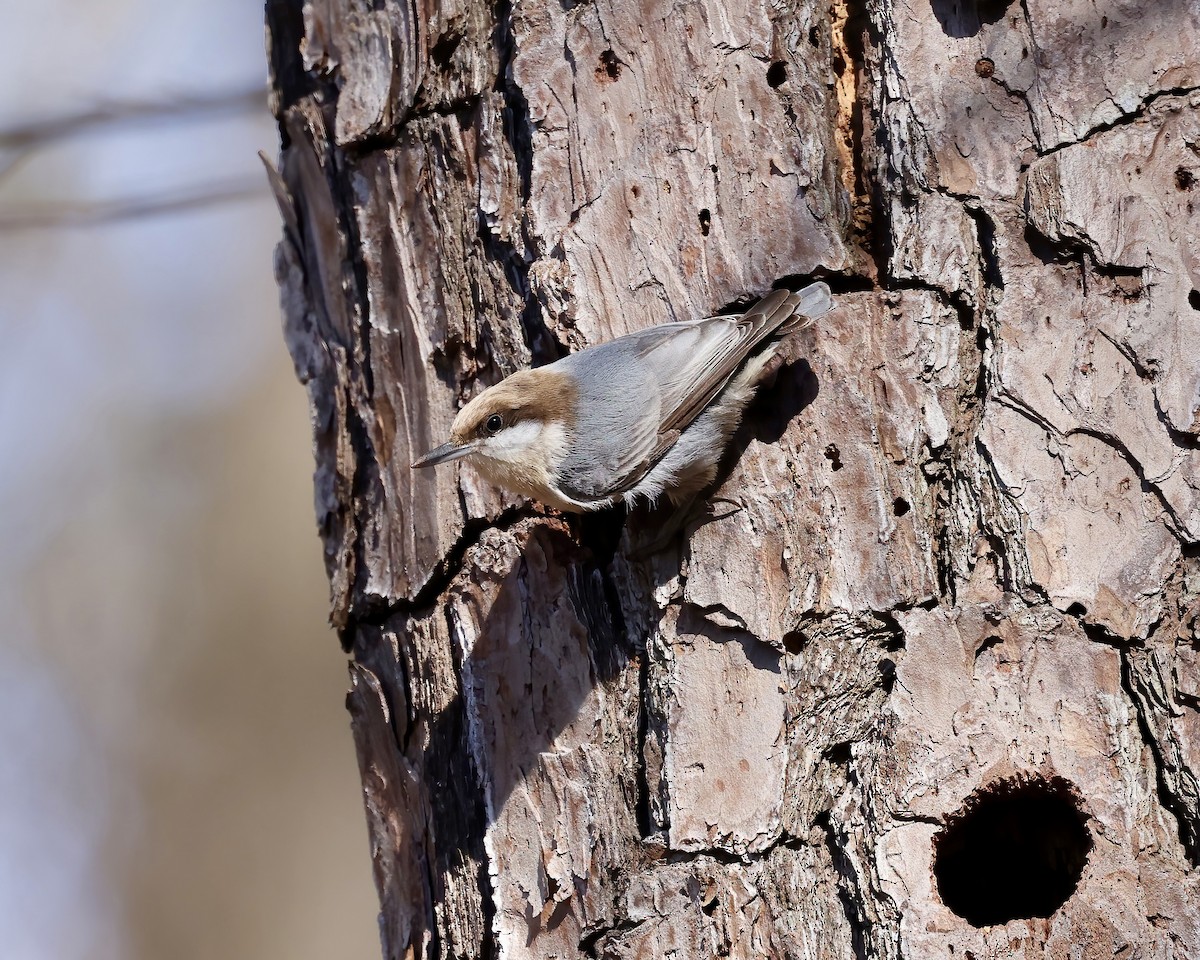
<point>1015,850</point>
<point>1184,179</point>
<point>1076,609</point>
<point>794,642</point>
<point>610,66</point>
<point>985,68</point>
<point>705,221</point>
<point>776,73</point>
<point>834,456</point>
<point>900,506</point>
<point>1194,299</point>
<point>887,675</point>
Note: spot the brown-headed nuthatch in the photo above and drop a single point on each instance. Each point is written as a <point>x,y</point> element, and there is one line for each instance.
<point>644,415</point>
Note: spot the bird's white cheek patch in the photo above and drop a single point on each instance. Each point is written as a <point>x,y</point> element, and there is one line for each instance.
<point>519,442</point>
<point>553,442</point>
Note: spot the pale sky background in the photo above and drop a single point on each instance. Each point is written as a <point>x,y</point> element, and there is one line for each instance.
<point>177,776</point>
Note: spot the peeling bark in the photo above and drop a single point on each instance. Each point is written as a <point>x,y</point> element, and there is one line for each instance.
<point>955,563</point>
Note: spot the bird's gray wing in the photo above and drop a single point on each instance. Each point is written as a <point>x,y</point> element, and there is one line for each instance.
<point>618,403</point>
<point>703,357</point>
<point>653,383</point>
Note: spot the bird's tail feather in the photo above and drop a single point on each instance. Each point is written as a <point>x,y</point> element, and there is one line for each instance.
<point>808,305</point>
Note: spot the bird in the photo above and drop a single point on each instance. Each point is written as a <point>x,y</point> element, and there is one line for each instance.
<point>639,417</point>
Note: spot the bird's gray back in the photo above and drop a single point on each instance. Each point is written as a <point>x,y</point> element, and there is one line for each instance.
<point>625,386</point>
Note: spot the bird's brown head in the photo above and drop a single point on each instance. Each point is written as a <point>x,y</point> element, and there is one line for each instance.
<point>515,432</point>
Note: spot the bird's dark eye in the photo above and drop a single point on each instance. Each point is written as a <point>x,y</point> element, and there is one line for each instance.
<point>494,423</point>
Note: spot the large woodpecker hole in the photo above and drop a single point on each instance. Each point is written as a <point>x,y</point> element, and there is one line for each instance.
<point>1015,850</point>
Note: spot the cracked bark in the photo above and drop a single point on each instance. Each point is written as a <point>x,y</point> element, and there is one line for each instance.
<point>965,551</point>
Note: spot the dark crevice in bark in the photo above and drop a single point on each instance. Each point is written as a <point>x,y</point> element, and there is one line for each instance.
<point>646,826</point>
<point>907,816</point>
<point>370,143</point>
<point>985,232</point>
<point>938,470</point>
<point>1077,251</point>
<point>449,567</point>
<point>403,731</point>
<point>285,33</point>
<point>729,858</point>
<point>850,31</point>
<point>1097,632</point>
<point>544,346</point>
<point>1133,116</point>
<point>1174,523</point>
<point>518,126</point>
<point>847,888</point>
<point>364,485</point>
<point>1142,697</point>
<point>1115,443</point>
<point>1143,372</point>
<point>1048,251</point>
<point>441,54</point>
<point>393,136</point>
<point>732,619</point>
<point>838,283</point>
<point>966,18</point>
<point>1181,438</point>
<point>589,942</point>
<point>999,540</point>
<point>951,298</point>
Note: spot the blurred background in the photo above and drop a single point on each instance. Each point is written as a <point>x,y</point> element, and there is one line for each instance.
<point>177,776</point>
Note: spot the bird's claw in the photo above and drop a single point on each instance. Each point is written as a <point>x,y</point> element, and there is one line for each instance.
<point>683,517</point>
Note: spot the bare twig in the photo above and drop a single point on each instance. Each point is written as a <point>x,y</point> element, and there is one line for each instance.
<point>36,133</point>
<point>102,212</point>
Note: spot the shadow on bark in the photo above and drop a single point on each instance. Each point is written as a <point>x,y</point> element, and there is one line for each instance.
<point>965,18</point>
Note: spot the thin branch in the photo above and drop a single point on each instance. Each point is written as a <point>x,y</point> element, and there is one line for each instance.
<point>14,160</point>
<point>103,212</point>
<point>36,133</point>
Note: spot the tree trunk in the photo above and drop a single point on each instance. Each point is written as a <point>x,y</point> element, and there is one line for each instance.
<point>931,670</point>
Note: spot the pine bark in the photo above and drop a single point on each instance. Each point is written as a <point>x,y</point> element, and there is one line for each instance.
<point>955,561</point>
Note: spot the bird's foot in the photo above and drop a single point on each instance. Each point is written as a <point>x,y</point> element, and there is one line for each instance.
<point>688,514</point>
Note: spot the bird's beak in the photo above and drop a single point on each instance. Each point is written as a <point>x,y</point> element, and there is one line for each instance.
<point>444,454</point>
